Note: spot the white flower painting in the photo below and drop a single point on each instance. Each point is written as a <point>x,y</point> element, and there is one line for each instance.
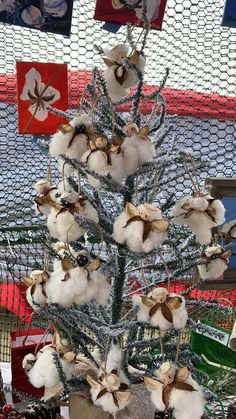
<point>39,94</point>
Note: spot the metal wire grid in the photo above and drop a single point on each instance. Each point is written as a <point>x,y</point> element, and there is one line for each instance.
<point>200,54</point>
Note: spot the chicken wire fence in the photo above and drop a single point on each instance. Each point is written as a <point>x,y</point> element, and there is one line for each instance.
<point>200,54</point>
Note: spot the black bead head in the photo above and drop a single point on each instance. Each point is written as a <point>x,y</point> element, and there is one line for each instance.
<point>80,129</point>
<point>82,260</point>
<point>66,204</point>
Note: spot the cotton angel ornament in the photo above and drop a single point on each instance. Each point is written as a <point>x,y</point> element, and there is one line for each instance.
<point>174,388</point>
<point>161,309</point>
<point>142,228</point>
<point>61,222</point>
<point>47,196</point>
<point>41,369</point>
<point>201,212</point>
<point>120,79</point>
<point>72,140</point>
<point>77,281</point>
<point>104,159</point>
<point>137,148</point>
<point>215,261</point>
<point>111,390</point>
<point>36,292</point>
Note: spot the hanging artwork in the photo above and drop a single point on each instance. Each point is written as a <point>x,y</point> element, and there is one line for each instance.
<point>45,15</point>
<point>130,11</point>
<point>40,85</point>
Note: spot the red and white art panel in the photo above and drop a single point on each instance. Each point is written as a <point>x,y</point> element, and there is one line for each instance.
<point>40,85</point>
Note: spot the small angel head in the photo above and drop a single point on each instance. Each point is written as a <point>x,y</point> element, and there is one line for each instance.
<point>39,276</point>
<point>118,53</point>
<point>101,142</point>
<point>61,344</point>
<point>28,362</point>
<point>199,203</point>
<point>213,250</point>
<point>130,129</point>
<point>149,212</point>
<point>167,372</point>
<point>60,247</point>
<point>42,186</point>
<point>111,382</point>
<point>158,294</point>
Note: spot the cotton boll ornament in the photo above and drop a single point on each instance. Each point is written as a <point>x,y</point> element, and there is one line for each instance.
<point>215,261</point>
<point>142,228</point>
<point>61,222</point>
<point>72,139</point>
<point>104,159</point>
<point>77,282</point>
<point>162,309</point>
<point>111,390</point>
<point>137,148</point>
<point>118,78</point>
<point>42,370</point>
<point>36,292</point>
<point>201,213</point>
<point>174,388</point>
<point>47,193</point>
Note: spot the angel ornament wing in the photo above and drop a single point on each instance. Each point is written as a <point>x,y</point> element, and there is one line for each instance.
<point>137,147</point>
<point>72,140</point>
<point>162,309</point>
<point>142,228</point>
<point>214,262</point>
<point>61,222</point>
<point>118,78</point>
<point>201,212</point>
<point>111,389</point>
<point>104,159</point>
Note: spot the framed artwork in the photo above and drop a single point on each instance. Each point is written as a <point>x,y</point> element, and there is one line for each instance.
<point>39,85</point>
<point>225,189</point>
<point>45,15</point>
<point>116,11</point>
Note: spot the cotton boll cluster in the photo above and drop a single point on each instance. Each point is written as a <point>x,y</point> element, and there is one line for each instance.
<point>118,78</point>
<point>61,222</point>
<point>41,369</point>
<point>111,390</point>
<point>215,261</point>
<point>77,282</point>
<point>137,148</point>
<point>174,388</point>
<point>36,291</point>
<point>142,228</point>
<point>72,140</point>
<point>161,309</point>
<point>201,213</point>
<point>104,159</point>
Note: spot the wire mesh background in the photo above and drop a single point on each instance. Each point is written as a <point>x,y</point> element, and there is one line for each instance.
<point>201,56</point>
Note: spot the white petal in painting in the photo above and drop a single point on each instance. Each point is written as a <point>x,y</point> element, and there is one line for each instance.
<point>55,8</point>
<point>7,5</point>
<point>32,16</point>
<point>30,78</point>
<point>42,112</point>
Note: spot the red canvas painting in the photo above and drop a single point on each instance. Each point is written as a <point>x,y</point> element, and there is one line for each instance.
<point>40,85</point>
<point>114,11</point>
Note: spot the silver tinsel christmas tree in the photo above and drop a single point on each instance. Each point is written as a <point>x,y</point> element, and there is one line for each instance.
<point>120,240</point>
